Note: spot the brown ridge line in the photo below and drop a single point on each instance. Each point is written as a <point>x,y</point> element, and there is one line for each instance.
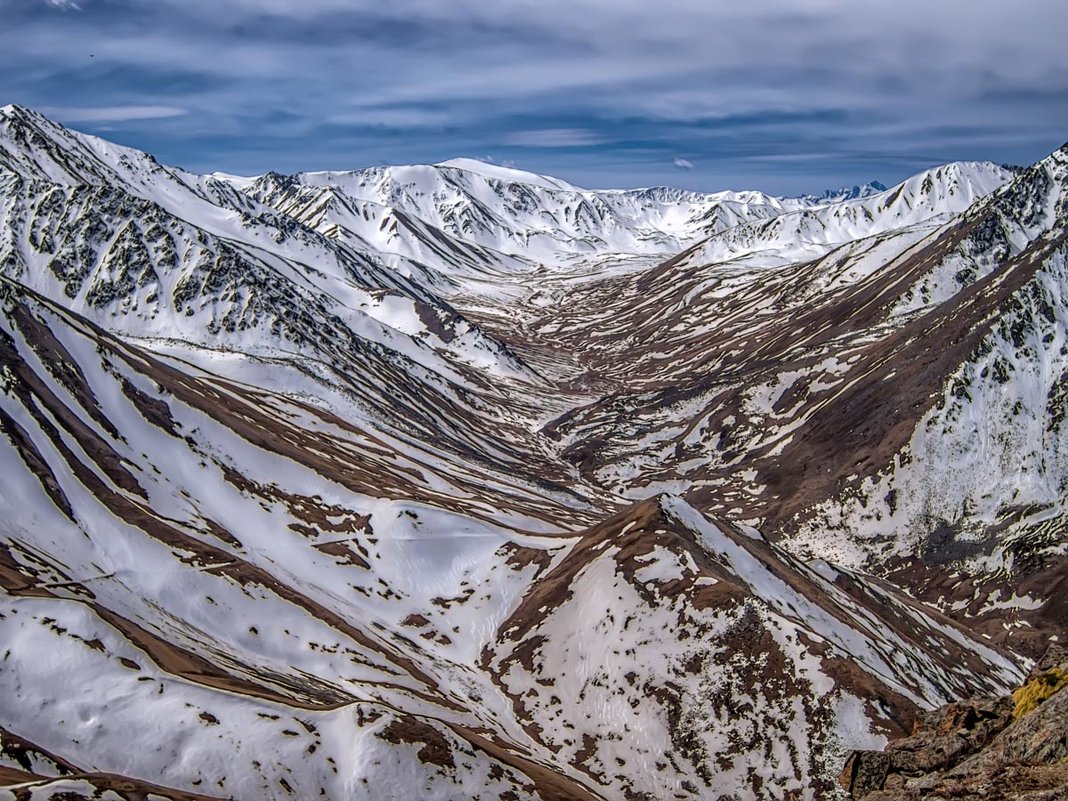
<point>173,659</point>
<point>36,463</point>
<point>21,750</point>
<point>30,384</point>
<point>9,776</point>
<point>127,788</point>
<point>551,785</point>
<point>225,403</point>
<point>238,570</point>
<point>62,365</point>
<point>170,658</point>
<point>16,747</point>
<point>219,403</point>
<point>177,661</point>
<point>15,582</point>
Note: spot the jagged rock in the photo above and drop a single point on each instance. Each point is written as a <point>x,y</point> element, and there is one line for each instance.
<point>1056,655</point>
<point>865,772</point>
<point>1041,736</point>
<point>976,716</point>
<point>941,738</point>
<point>971,750</point>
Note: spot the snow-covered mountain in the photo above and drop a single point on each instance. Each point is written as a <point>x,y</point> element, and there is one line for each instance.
<point>537,220</point>
<point>846,193</point>
<point>505,211</point>
<point>460,482</point>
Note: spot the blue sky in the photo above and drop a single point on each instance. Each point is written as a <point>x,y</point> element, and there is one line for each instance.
<point>787,96</point>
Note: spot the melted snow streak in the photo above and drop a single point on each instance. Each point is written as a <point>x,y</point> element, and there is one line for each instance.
<point>458,482</point>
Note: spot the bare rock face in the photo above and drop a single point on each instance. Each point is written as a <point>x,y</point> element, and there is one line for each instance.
<point>865,772</point>
<point>1056,656</point>
<point>980,749</point>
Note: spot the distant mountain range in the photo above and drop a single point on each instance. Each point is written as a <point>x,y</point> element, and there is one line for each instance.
<point>461,482</point>
<point>846,193</point>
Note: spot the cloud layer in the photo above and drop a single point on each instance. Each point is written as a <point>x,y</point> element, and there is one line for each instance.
<point>111,113</point>
<point>787,95</point>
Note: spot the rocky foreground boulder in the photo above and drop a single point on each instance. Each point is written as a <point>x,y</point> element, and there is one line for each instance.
<point>1014,747</point>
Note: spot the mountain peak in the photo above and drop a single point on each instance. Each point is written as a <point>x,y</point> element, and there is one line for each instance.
<point>499,172</point>
<point>12,113</point>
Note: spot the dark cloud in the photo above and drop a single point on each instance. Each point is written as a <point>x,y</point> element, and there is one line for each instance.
<point>786,96</point>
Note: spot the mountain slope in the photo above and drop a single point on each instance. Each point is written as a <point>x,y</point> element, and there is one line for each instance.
<point>458,482</point>
<point>774,394</point>
<point>329,548</point>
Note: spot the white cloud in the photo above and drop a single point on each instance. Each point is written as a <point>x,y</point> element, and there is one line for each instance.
<point>64,5</point>
<point>555,137</point>
<point>391,118</point>
<point>682,164</point>
<point>509,163</point>
<point>112,113</point>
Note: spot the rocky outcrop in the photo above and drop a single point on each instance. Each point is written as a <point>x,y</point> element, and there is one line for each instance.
<point>1015,747</point>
